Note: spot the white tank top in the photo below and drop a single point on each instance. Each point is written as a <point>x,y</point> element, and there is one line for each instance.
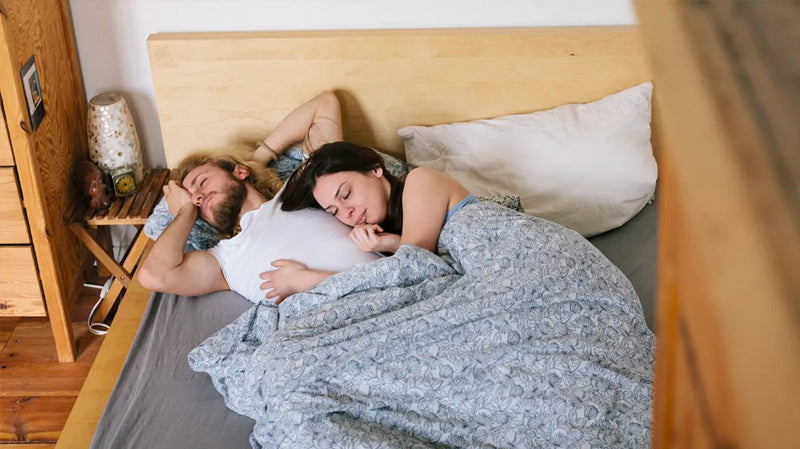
<point>310,236</point>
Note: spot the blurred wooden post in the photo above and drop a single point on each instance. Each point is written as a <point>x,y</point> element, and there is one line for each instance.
<point>728,361</point>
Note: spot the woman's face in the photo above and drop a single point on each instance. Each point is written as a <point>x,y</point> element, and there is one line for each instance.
<point>354,197</point>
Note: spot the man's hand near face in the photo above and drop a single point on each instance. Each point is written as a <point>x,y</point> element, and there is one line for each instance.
<point>177,198</point>
<point>167,268</point>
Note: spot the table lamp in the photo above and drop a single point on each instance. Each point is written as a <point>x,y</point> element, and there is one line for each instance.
<point>113,142</point>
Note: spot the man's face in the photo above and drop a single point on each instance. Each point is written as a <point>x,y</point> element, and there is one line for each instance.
<point>217,194</point>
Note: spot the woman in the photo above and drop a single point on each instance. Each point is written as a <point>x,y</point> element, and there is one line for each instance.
<point>350,181</point>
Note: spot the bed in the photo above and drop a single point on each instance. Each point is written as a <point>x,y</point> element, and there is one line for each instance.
<point>156,388</point>
<point>385,80</point>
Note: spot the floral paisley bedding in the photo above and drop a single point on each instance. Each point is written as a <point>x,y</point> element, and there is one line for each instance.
<point>522,334</point>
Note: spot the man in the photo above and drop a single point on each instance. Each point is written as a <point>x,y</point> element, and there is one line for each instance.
<point>223,190</point>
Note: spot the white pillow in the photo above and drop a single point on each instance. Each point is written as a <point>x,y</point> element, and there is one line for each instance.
<point>589,167</point>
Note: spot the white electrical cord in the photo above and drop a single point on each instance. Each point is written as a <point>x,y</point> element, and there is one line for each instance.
<point>99,328</point>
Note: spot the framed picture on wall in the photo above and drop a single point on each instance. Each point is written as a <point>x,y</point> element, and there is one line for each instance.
<point>33,92</point>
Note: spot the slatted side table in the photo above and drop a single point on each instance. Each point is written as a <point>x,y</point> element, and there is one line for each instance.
<point>88,225</point>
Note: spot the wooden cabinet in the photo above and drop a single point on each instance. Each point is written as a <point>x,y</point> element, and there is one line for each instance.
<point>41,262</point>
<point>6,157</point>
<point>21,294</point>
<point>728,350</point>
<point>20,281</point>
<point>13,227</point>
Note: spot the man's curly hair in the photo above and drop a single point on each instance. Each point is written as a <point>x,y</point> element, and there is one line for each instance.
<point>262,178</point>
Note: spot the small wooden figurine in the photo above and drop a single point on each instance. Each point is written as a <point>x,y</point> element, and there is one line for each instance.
<point>91,181</point>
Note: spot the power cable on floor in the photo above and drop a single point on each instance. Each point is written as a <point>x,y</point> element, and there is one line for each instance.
<point>99,328</point>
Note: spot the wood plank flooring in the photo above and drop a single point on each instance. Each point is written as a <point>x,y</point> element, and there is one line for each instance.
<point>36,391</point>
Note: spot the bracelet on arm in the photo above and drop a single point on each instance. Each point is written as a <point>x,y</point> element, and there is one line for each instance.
<point>263,145</point>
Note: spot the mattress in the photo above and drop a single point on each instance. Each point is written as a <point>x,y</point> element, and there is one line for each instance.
<point>159,402</point>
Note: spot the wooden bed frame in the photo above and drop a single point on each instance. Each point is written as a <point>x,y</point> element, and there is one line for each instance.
<point>228,89</point>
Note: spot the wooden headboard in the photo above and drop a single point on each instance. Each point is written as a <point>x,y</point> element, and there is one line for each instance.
<point>216,90</point>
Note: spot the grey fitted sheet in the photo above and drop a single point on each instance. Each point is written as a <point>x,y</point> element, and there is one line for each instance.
<point>632,248</point>
<point>159,402</point>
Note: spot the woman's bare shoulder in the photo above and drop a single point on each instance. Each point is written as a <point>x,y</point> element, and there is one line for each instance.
<point>424,175</point>
<point>432,183</point>
<point>425,183</point>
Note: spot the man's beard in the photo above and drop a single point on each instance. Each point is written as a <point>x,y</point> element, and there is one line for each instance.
<point>227,216</point>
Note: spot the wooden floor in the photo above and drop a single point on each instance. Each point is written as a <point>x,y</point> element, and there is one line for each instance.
<point>36,391</point>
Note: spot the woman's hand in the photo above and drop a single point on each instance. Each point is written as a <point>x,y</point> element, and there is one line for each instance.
<point>370,237</point>
<point>289,278</point>
<point>177,198</point>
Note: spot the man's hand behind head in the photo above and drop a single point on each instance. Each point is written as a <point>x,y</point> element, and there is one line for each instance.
<point>177,198</point>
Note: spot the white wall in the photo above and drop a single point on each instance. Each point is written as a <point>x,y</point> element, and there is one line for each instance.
<point>111,34</point>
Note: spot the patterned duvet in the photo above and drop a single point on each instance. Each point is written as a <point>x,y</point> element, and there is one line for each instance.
<point>524,335</point>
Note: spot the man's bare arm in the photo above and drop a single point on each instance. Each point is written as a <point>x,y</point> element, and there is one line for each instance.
<point>167,268</point>
<point>315,122</point>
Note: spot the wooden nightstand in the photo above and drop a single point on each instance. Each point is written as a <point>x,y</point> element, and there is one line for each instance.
<point>88,225</point>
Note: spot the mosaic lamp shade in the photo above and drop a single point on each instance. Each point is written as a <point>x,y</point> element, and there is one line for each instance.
<point>113,142</point>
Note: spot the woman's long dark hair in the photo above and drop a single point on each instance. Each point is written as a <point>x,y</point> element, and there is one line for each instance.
<point>338,157</point>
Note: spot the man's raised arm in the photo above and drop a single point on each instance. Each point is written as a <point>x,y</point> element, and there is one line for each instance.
<point>167,268</point>
<point>315,123</point>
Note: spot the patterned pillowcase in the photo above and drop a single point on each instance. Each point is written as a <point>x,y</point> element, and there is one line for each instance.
<point>395,166</point>
<point>288,162</point>
<point>508,200</point>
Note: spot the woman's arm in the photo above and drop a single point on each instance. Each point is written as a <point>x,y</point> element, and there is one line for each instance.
<point>315,122</point>
<point>427,196</point>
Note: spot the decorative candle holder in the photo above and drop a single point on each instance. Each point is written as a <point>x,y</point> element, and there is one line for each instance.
<point>113,142</point>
